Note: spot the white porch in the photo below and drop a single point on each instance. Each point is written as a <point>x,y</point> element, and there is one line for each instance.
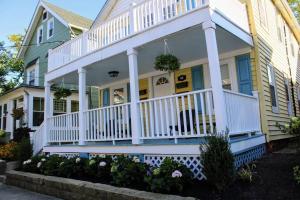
<point>202,34</point>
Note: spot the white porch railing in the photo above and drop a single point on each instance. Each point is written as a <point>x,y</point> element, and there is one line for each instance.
<point>178,116</point>
<point>242,113</point>
<point>64,128</point>
<point>108,123</point>
<point>36,139</point>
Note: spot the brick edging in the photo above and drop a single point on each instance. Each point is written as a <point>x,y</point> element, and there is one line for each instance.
<point>71,189</point>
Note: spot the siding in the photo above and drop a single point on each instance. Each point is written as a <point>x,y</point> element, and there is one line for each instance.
<point>61,33</point>
<point>271,49</point>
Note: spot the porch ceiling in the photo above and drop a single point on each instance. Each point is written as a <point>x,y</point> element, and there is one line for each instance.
<point>188,45</point>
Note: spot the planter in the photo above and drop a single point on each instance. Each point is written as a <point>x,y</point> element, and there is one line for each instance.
<point>71,189</point>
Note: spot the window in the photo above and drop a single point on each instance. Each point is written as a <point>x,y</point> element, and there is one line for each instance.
<point>40,35</point>
<point>59,107</point>
<point>45,15</point>
<point>4,116</point>
<point>38,111</point>
<point>31,79</point>
<point>288,95</point>
<point>226,82</point>
<point>74,106</point>
<point>50,28</point>
<point>279,27</point>
<point>292,45</point>
<point>32,75</point>
<point>272,85</point>
<point>262,13</point>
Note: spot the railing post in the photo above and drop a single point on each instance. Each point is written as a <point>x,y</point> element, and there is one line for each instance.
<point>132,25</point>
<point>214,67</point>
<point>134,94</point>
<point>82,104</point>
<point>50,59</point>
<point>255,94</point>
<point>47,112</point>
<point>84,43</point>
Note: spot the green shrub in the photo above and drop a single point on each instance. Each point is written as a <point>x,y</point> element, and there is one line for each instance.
<point>52,165</point>
<point>246,173</point>
<point>218,162</point>
<point>24,150</point>
<point>297,174</point>
<point>170,177</point>
<point>99,168</point>
<point>292,128</point>
<point>21,133</point>
<point>34,164</point>
<point>71,167</point>
<point>129,172</point>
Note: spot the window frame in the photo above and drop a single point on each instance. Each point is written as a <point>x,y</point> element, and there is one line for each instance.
<point>45,12</point>
<point>263,17</point>
<point>64,107</point>
<point>41,110</point>
<point>40,28</point>
<point>288,96</point>
<point>272,82</point>
<point>30,69</point>
<point>48,28</point>
<point>279,24</point>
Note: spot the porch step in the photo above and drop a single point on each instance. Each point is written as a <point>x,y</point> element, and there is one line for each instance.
<point>2,178</point>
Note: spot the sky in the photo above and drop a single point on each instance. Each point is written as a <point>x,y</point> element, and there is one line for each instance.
<point>15,15</point>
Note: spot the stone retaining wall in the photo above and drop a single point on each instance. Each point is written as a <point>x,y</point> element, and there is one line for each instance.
<point>70,189</point>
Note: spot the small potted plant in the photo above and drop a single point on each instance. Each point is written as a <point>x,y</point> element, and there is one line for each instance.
<point>62,93</point>
<point>18,113</point>
<point>166,62</point>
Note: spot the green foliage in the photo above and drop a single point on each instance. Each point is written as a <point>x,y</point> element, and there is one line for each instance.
<point>2,133</point>
<point>295,6</point>
<point>21,133</point>
<point>127,172</point>
<point>170,177</point>
<point>296,170</point>
<point>24,150</point>
<point>51,167</point>
<point>246,174</point>
<point>31,165</point>
<point>61,93</point>
<point>292,128</point>
<point>166,62</point>
<point>218,162</point>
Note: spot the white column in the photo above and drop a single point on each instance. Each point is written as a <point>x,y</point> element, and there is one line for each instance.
<point>9,118</point>
<point>25,108</point>
<point>215,74</point>
<point>134,96</point>
<point>47,111</point>
<point>82,104</point>
<point>69,105</point>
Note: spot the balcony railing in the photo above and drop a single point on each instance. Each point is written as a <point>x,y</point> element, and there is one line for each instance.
<point>187,115</point>
<point>139,18</point>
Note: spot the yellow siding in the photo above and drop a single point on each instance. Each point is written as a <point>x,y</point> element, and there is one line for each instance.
<point>268,48</point>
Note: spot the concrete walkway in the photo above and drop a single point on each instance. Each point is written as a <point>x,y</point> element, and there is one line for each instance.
<point>14,193</point>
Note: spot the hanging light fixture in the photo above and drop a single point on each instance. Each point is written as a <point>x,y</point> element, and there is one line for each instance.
<point>113,74</point>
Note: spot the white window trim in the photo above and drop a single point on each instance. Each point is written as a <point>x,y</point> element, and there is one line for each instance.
<point>232,73</point>
<point>262,9</point>
<point>34,67</point>
<point>289,103</point>
<point>48,28</point>
<point>38,35</point>
<point>45,11</point>
<point>275,109</point>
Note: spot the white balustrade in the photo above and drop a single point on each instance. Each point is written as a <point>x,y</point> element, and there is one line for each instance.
<point>108,123</point>
<point>36,139</point>
<point>64,128</point>
<point>178,116</point>
<point>242,113</point>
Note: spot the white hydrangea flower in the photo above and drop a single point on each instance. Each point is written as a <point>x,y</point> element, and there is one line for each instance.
<point>61,163</point>
<point>39,165</point>
<point>102,164</point>
<point>43,159</point>
<point>136,159</point>
<point>77,160</point>
<point>176,174</point>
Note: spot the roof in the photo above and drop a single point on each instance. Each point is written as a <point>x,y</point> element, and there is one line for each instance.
<point>71,18</point>
<point>67,18</point>
<point>104,12</point>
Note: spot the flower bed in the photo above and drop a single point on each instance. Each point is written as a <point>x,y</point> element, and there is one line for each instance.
<point>8,151</point>
<point>171,177</point>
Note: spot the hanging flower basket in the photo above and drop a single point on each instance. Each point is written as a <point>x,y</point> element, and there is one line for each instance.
<point>17,113</point>
<point>166,62</point>
<point>62,93</point>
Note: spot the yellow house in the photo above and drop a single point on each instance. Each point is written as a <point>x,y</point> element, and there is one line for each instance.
<point>275,63</point>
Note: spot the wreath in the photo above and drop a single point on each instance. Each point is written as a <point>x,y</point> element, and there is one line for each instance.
<point>166,62</point>
<point>62,93</point>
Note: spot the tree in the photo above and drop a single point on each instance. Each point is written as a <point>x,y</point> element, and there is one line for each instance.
<point>11,67</point>
<point>295,6</point>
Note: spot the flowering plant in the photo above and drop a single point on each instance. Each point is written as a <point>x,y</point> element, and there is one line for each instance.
<point>8,151</point>
<point>170,177</point>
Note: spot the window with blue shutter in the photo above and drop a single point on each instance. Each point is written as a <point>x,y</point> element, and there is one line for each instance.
<point>244,74</point>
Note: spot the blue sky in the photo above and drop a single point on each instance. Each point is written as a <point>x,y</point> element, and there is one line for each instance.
<point>15,15</point>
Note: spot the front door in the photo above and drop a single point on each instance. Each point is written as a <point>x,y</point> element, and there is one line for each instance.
<point>162,85</point>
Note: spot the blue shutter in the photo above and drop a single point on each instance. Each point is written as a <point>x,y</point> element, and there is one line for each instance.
<point>106,97</point>
<point>244,74</point>
<point>128,92</point>
<point>198,82</point>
